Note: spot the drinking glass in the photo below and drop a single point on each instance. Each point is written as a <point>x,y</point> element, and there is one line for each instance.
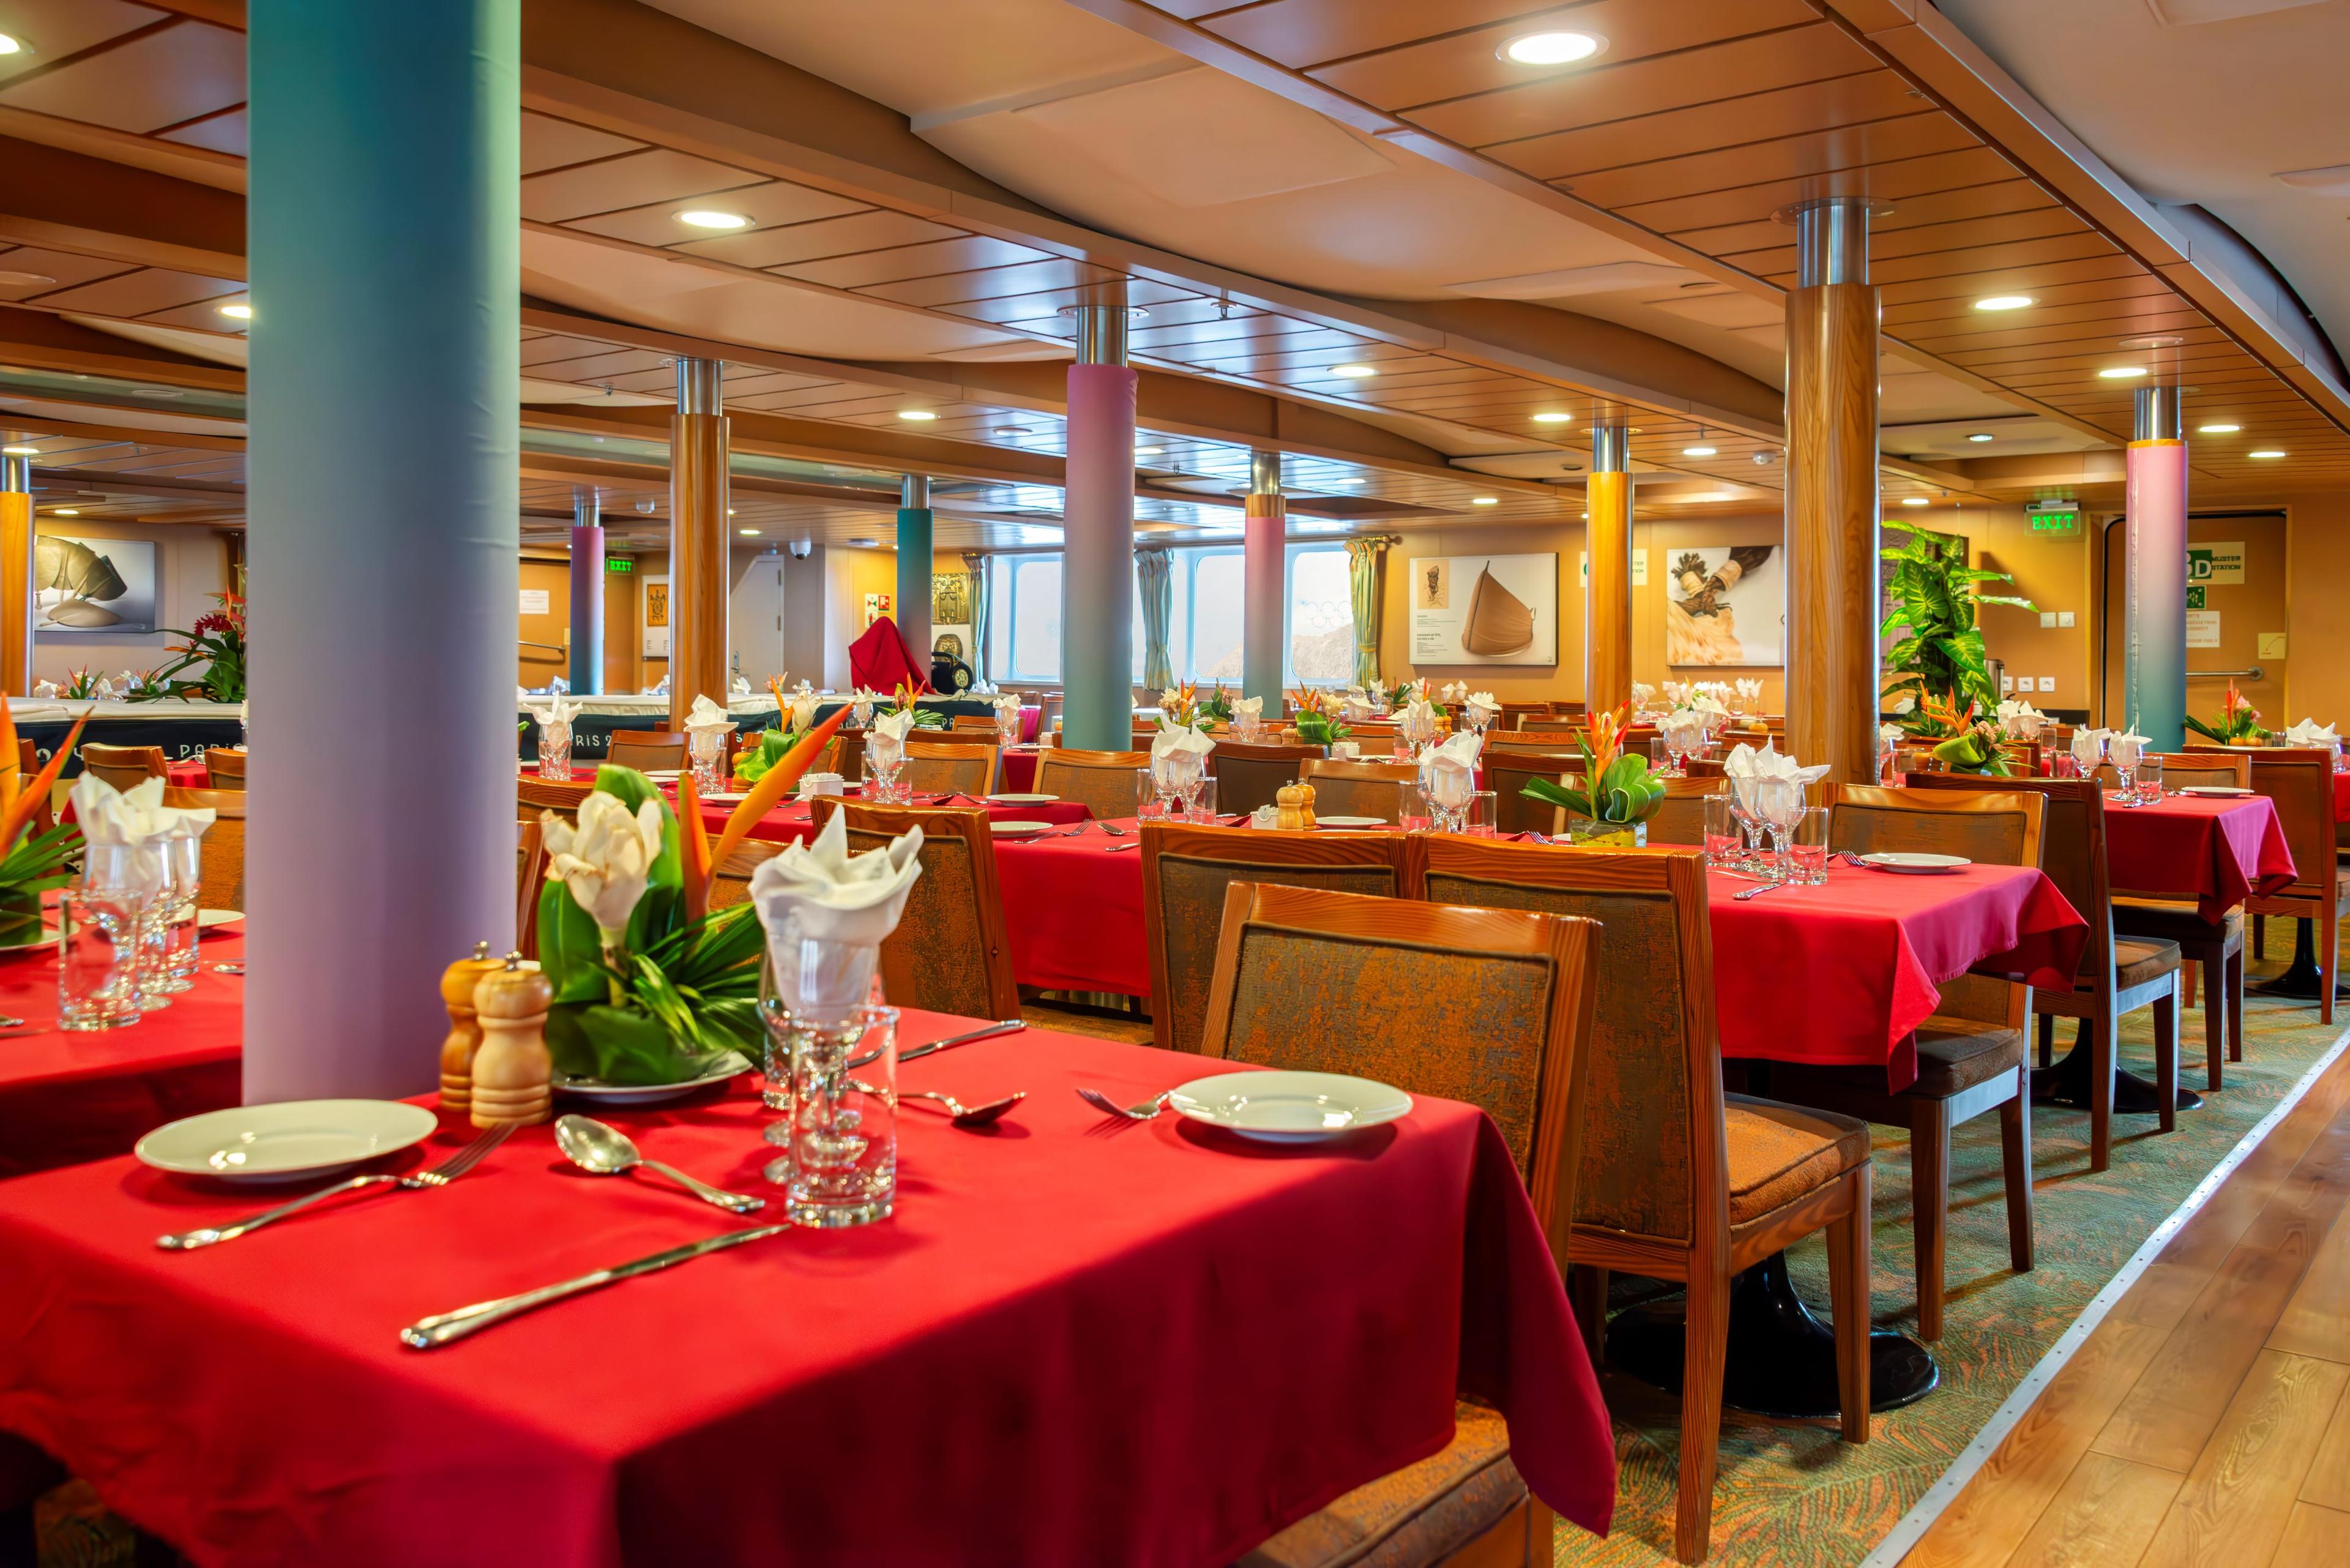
<point>554,752</point>
<point>707,751</point>
<point>1661,760</point>
<point>1809,848</point>
<point>1722,835</point>
<point>885,754</point>
<point>1200,802</point>
<point>1778,803</point>
<point>1483,817</point>
<point>2124,754</point>
<point>1007,726</point>
<point>1414,813</point>
<point>133,875</point>
<point>839,1134</point>
<point>98,959</point>
<point>174,964</point>
<point>1148,805</point>
<point>2149,779</point>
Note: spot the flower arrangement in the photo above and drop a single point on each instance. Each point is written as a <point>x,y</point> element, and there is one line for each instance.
<point>1216,707</point>
<point>30,863</point>
<point>2238,722</point>
<point>1966,743</point>
<point>217,642</point>
<point>1417,690</point>
<point>1618,789</point>
<point>1316,725</point>
<point>1180,707</point>
<point>651,985</point>
<point>908,698</point>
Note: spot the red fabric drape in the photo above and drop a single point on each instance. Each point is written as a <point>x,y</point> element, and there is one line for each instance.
<point>881,661</point>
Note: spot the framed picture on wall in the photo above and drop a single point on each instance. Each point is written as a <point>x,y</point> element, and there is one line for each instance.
<point>656,618</point>
<point>1725,605</point>
<point>951,598</point>
<point>88,586</point>
<point>1484,609</point>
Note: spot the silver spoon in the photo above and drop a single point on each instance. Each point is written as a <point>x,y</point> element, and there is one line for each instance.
<point>606,1151</point>
<point>967,1116</point>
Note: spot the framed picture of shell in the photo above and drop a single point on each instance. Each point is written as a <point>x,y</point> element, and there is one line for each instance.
<point>1725,605</point>
<point>1484,609</point>
<point>94,586</point>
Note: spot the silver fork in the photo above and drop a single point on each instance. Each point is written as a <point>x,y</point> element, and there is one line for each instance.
<point>440,1175</point>
<point>1141,1113</point>
<point>1756,891</point>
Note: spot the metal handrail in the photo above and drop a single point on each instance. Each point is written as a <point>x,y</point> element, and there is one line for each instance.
<point>555,648</point>
<point>2254,674</point>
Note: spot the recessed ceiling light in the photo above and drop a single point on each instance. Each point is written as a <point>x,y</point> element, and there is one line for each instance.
<point>75,511</point>
<point>867,543</point>
<point>1149,451</point>
<point>1698,451</point>
<point>10,46</point>
<point>920,416</point>
<point>1913,501</point>
<point>1981,435</point>
<point>2120,373</point>
<point>2217,430</point>
<point>1353,372</point>
<point>238,312</point>
<point>1552,49</point>
<point>748,533</point>
<point>1013,430</point>
<point>703,218</point>
<point>2003,302</point>
<point>2269,454</point>
<point>1554,418</point>
<point>1484,501</point>
<point>21,451</point>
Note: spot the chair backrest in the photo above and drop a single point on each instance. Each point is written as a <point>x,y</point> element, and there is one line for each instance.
<point>2299,782</point>
<point>2191,770</point>
<point>1997,828</point>
<point>949,953</point>
<point>28,767</point>
<point>1508,771</point>
<point>224,847</point>
<point>534,795</point>
<point>1185,871</point>
<point>1344,786</point>
<point>1518,715</point>
<point>530,870</point>
<point>1556,737</point>
<point>983,723</point>
<point>1248,775</point>
<point>1703,767</point>
<point>843,755</point>
<point>646,750</point>
<point>225,765</point>
<point>124,767</point>
<point>1650,1111</point>
<point>730,879</point>
<point>936,766</point>
<point>1110,784</point>
<point>1681,819</point>
<point>1490,1006</point>
<point>2072,850</point>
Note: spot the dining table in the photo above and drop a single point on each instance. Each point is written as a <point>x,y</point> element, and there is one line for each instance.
<point>794,821</point>
<point>1075,1340</point>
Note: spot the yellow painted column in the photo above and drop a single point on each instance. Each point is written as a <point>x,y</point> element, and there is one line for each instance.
<point>17,571</point>
<point>1608,587</point>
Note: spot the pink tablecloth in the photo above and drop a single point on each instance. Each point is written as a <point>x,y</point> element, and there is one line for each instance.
<point>1064,1348</point>
<point>2216,851</point>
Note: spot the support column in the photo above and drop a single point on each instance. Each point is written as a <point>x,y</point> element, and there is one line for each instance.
<point>1098,538</point>
<point>1831,494</point>
<point>383,226</point>
<point>1263,610</point>
<point>16,541</point>
<point>2153,627</point>
<point>1608,592</point>
<point>914,526</point>
<point>699,578</point>
<point>586,593</point>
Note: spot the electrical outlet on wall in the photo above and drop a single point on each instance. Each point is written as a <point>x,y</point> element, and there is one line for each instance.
<point>2048,620</point>
<point>2007,682</point>
<point>2048,683</point>
<point>2064,617</point>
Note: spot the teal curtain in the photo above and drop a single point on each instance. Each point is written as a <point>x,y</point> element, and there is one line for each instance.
<point>1154,575</point>
<point>1365,573</point>
<point>977,565</point>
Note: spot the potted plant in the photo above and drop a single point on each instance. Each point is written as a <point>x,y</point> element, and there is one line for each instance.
<point>1963,743</point>
<point>1935,603</point>
<point>2239,722</point>
<point>30,863</point>
<point>1619,793</point>
<point>217,642</point>
<point>1316,726</point>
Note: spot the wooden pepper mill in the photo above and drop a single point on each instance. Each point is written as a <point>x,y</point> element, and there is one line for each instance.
<point>514,1077</point>
<point>457,983</point>
<point>1295,804</point>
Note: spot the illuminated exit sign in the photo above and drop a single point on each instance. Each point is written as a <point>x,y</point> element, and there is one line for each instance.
<point>619,564</point>
<point>2052,516</point>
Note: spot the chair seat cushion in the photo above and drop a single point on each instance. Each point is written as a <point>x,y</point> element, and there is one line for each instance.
<point>2164,921</point>
<point>1780,1152</point>
<point>1954,1055</point>
<point>2138,960</point>
<point>1419,1515</point>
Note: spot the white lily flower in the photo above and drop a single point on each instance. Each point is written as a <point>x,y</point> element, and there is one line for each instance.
<point>605,860</point>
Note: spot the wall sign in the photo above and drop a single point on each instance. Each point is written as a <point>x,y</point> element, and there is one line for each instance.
<point>2202,628</point>
<point>533,602</point>
<point>2215,566</point>
<point>619,563</point>
<point>1639,568</point>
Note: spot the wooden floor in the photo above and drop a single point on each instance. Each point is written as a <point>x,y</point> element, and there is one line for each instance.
<point>2207,1419</point>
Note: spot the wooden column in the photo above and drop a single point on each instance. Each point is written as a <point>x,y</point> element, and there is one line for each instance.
<point>698,574</point>
<point>1608,586</point>
<point>1831,678</point>
<point>16,541</point>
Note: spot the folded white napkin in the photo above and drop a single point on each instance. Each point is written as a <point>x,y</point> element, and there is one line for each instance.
<point>739,687</point>
<point>825,912</point>
<point>1746,768</point>
<point>1677,692</point>
<point>1248,710</point>
<point>1417,723</point>
<point>2310,732</point>
<point>47,689</point>
<point>2089,746</point>
<point>1484,707</point>
<point>1891,735</point>
<point>2020,720</point>
<point>1643,694</point>
<point>1448,771</point>
<point>1456,691</point>
<point>562,710</point>
<point>1007,702</point>
<point>137,817</point>
<point>1706,706</point>
<point>1173,738</point>
<point>1749,689</point>
<point>706,715</point>
<point>860,705</point>
<point>895,725</point>
<point>803,705</point>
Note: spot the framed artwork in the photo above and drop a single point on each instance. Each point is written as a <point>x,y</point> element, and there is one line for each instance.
<point>1726,605</point>
<point>1484,609</point>
<point>951,598</point>
<point>656,616</point>
<point>94,586</point>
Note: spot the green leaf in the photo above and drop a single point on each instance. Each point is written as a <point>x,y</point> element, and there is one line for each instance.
<point>1549,793</point>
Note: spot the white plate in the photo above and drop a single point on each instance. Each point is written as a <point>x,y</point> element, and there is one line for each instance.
<point>1017,829</point>
<point>292,1142</point>
<point>1917,864</point>
<point>42,944</point>
<point>725,797</point>
<point>1289,1108</point>
<point>664,775</point>
<point>207,919</point>
<point>1351,822</point>
<point>1023,799</point>
<point>2223,792</point>
<point>605,1093</point>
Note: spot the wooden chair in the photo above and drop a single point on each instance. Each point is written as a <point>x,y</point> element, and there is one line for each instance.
<point>28,767</point>
<point>843,755</point>
<point>949,953</point>
<point>1248,773</point>
<point>2118,975</point>
<point>1971,1055</point>
<point>124,767</point>
<point>935,767</point>
<point>530,871</point>
<point>1703,767</point>
<point>1345,787</point>
<point>2214,948</point>
<point>1108,784</point>
<point>1681,818</point>
<point>1185,871</point>
<point>1518,715</point>
<point>730,879</point>
<point>534,795</point>
<point>2205,769</point>
<point>2299,782</point>
<point>225,765</point>
<point>647,751</point>
<point>1676,1180</point>
<point>224,846</point>
<point>981,723</point>
<point>1395,989</point>
<point>1508,771</point>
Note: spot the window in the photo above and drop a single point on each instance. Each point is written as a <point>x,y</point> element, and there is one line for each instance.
<point>1321,616</point>
<point>1031,622</point>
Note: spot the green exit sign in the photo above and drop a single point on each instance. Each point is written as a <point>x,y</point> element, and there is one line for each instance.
<point>619,563</point>
<point>2052,516</point>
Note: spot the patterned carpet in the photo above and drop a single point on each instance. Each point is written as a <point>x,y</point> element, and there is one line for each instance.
<point>1791,1495</point>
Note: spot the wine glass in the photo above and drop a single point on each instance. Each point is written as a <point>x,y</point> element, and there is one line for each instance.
<point>2123,752</point>
<point>1779,801</point>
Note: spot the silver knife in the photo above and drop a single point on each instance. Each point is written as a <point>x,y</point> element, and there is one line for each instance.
<point>430,1333</point>
<point>1008,1026</point>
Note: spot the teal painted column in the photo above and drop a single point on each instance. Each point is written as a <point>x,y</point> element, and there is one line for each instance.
<point>383,226</point>
<point>914,520</point>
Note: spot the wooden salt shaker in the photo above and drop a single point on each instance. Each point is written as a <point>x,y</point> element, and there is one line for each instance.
<point>1295,804</point>
<point>514,1077</point>
<point>457,983</point>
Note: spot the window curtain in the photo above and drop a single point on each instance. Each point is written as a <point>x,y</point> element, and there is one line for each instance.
<point>1367,561</point>
<point>1154,575</point>
<point>977,566</point>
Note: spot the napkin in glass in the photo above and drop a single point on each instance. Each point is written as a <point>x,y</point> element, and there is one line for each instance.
<point>2310,732</point>
<point>705,716</point>
<point>827,912</point>
<point>2089,748</point>
<point>1178,753</point>
<point>1448,773</point>
<point>1746,768</point>
<point>1484,707</point>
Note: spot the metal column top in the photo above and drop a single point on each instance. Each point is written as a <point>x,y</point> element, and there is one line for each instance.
<point>587,511</point>
<point>915,496</point>
<point>1101,334</point>
<point>1265,473</point>
<point>1832,242</point>
<point>15,474</point>
<point>698,387</point>
<point>1611,448</point>
<point>2156,414</point>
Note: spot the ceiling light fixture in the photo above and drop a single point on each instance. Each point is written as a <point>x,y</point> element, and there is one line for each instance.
<point>865,544</point>
<point>2271,454</point>
<point>75,511</point>
<point>10,46</point>
<point>1913,501</point>
<point>704,218</point>
<point>920,416</point>
<point>1556,48</point>
<point>1700,450</point>
<point>20,451</point>
<point>748,533</point>
<point>1149,451</point>
<point>1013,431</point>
<point>1981,435</point>
<point>1484,501</point>
<point>1554,418</point>
<point>238,312</point>
<point>2003,302</point>
<point>2121,373</point>
<point>1353,372</point>
<point>2217,430</point>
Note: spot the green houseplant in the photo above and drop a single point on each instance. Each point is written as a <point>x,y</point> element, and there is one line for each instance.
<point>1619,793</point>
<point>1935,606</point>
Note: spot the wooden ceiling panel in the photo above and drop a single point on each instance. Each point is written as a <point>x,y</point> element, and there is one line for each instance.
<point>1301,33</point>
<point>772,205</point>
<point>1185,339</point>
<point>1901,183</point>
<point>554,347</point>
<point>1814,108</point>
<point>1886,245</point>
<point>1977,260</point>
<point>1052,274</point>
<point>631,180</point>
<point>869,230</point>
<point>138,293</point>
<point>144,83</point>
<point>1819,154</point>
<point>1950,205</point>
<point>967,252</point>
<point>229,131</point>
<point>598,367</point>
<point>61,269</point>
<point>58,28</point>
<point>2037,281</point>
<point>2145,307</point>
<point>551,143</point>
<point>1039,312</point>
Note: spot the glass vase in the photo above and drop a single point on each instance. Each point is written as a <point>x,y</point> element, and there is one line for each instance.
<point>706,749</point>
<point>837,1072</point>
<point>1585,832</point>
<point>555,752</point>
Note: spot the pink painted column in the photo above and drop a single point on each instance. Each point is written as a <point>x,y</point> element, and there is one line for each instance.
<point>1098,540</point>
<point>586,594</point>
<point>2154,624</point>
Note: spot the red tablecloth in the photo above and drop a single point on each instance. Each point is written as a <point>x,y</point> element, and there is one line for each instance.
<point>1017,768</point>
<point>2218,851</point>
<point>2342,797</point>
<point>1074,909</point>
<point>1066,1347</point>
<point>189,772</point>
<point>69,1097</point>
<point>1842,974</point>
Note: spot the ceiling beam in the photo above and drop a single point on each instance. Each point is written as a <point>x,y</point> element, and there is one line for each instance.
<point>42,340</point>
<point>74,202</point>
